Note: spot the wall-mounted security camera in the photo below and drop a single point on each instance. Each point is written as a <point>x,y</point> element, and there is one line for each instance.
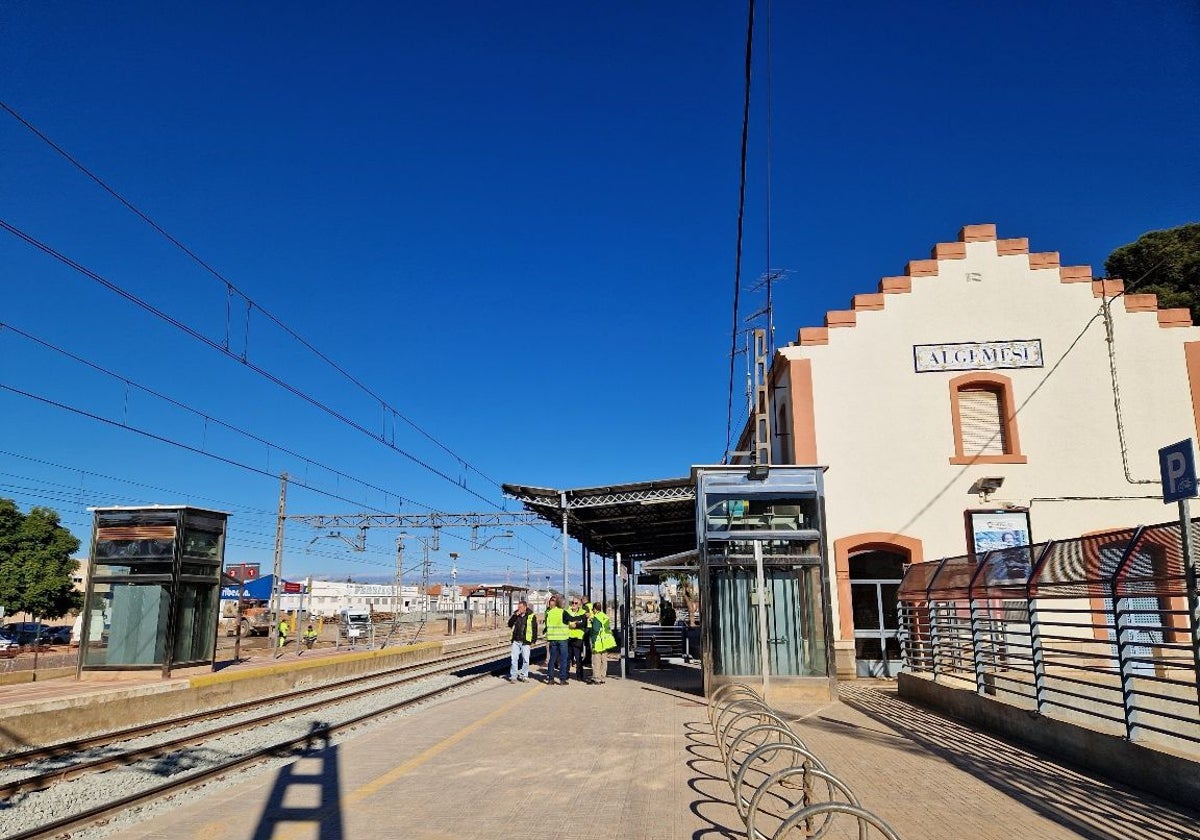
<point>986,486</point>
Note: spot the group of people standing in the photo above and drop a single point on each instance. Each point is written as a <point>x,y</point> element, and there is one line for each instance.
<point>575,633</point>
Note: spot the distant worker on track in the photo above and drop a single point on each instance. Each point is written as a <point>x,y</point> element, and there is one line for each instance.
<point>283,634</point>
<point>310,637</point>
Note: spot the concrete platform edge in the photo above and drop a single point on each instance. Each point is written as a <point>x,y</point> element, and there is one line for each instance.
<point>41,722</point>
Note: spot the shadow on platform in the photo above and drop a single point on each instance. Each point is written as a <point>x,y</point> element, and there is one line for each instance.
<point>683,677</point>
<point>1075,801</point>
<point>707,780</point>
<point>307,792</point>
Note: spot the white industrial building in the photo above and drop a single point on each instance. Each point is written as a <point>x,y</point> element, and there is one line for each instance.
<point>328,597</point>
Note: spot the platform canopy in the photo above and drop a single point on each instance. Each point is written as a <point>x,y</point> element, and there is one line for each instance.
<point>642,521</point>
<point>496,591</point>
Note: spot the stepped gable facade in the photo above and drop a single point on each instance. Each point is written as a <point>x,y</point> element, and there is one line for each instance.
<point>990,361</point>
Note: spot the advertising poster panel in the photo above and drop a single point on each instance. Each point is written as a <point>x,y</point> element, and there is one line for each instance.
<point>1005,535</point>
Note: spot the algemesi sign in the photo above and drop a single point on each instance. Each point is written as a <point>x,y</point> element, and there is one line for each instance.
<point>978,355</point>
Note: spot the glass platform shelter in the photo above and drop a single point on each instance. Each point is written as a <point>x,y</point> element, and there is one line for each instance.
<point>154,580</point>
<point>763,580</point>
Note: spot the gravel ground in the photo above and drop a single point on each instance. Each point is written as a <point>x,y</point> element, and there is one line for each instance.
<point>331,688</point>
<point>30,809</point>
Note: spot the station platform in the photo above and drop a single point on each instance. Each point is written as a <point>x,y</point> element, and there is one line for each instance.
<point>636,758</point>
<point>63,708</point>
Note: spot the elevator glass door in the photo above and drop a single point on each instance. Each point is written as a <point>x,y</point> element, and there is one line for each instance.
<point>790,613</point>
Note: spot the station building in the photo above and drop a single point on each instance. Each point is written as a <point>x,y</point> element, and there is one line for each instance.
<point>989,395</point>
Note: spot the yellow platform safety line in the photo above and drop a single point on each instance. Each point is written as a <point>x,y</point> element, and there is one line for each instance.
<point>416,761</point>
<point>293,830</point>
<point>297,664</point>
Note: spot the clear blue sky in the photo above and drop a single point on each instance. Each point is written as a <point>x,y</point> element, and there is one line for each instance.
<point>515,223</point>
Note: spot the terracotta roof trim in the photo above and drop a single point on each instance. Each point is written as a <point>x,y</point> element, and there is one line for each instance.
<point>1038,261</point>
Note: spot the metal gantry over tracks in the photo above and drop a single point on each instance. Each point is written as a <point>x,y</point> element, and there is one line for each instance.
<point>403,521</point>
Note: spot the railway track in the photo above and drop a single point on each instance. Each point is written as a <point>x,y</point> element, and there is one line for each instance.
<point>67,749</point>
<point>32,803</point>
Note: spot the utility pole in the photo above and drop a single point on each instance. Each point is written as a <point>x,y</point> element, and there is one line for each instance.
<point>398,586</point>
<point>762,397</point>
<point>563,504</point>
<point>277,581</point>
<point>306,608</point>
<point>453,592</point>
<point>424,584</point>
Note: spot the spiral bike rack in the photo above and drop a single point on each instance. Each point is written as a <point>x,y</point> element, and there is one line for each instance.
<point>758,717</point>
<point>732,690</point>
<point>865,818</point>
<point>807,761</point>
<point>752,735</point>
<point>832,782</point>
<point>758,751</point>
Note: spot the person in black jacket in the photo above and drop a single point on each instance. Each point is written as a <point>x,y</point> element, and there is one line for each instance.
<point>524,633</point>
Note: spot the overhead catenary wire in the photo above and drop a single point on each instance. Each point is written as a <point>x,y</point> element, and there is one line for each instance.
<point>207,418</point>
<point>198,336</point>
<point>116,289</point>
<point>230,287</point>
<point>143,485</point>
<point>250,538</point>
<point>767,150</point>
<point>72,493</point>
<point>210,419</point>
<point>170,441</point>
<point>741,213</point>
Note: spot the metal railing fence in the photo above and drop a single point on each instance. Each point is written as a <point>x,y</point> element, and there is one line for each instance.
<point>1095,630</point>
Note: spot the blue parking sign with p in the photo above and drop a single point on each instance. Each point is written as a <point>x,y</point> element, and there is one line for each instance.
<point>1177,464</point>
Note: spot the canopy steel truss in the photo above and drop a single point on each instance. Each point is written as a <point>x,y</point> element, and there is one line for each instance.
<point>639,521</point>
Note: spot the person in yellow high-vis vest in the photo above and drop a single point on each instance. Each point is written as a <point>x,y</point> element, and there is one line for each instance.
<point>578,627</point>
<point>557,633</point>
<point>602,642</point>
<point>283,634</point>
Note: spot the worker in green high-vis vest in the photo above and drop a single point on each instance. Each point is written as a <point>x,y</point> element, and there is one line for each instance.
<point>602,642</point>
<point>557,633</point>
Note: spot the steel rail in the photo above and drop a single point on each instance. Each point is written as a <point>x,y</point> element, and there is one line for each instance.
<point>13,759</point>
<point>285,747</point>
<point>42,780</point>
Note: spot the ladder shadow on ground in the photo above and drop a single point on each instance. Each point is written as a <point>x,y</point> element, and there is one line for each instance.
<point>307,792</point>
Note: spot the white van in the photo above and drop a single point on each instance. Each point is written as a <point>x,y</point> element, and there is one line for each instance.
<point>355,623</point>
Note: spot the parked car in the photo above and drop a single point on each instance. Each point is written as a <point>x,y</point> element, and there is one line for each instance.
<point>58,635</point>
<point>9,647</point>
<point>27,633</point>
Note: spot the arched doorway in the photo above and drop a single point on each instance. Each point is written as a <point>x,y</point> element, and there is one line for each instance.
<point>874,581</point>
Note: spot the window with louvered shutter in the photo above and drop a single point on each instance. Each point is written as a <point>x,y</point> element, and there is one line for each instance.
<point>981,419</point>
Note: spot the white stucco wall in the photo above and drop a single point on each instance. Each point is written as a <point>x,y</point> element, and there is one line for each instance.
<point>886,432</point>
